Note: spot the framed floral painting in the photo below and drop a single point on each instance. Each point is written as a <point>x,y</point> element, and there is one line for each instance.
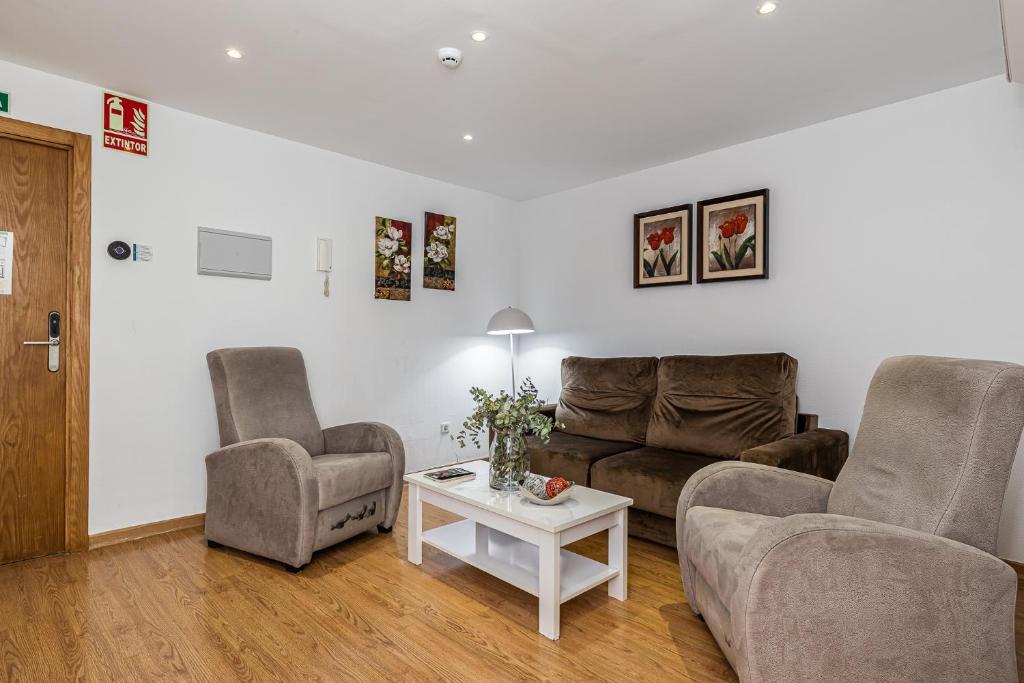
<point>732,237</point>
<point>438,251</point>
<point>661,247</point>
<point>392,243</point>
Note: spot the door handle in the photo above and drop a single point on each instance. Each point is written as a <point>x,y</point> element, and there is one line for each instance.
<point>53,355</point>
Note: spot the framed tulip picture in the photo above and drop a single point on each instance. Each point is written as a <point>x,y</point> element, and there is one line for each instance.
<point>392,278</point>
<point>438,251</point>
<point>732,237</point>
<point>661,247</point>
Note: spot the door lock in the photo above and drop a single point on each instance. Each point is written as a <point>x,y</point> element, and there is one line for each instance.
<point>53,357</point>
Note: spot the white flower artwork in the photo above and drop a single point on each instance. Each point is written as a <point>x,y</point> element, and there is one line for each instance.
<point>437,252</point>
<point>387,246</point>
<point>402,264</point>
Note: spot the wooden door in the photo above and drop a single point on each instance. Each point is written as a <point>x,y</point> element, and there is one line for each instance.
<point>39,213</point>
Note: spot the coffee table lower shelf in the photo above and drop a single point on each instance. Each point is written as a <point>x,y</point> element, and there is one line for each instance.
<point>515,561</point>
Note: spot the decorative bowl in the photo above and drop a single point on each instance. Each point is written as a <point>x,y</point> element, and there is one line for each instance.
<point>537,500</point>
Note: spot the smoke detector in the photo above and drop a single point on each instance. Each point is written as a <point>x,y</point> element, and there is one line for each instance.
<point>451,57</point>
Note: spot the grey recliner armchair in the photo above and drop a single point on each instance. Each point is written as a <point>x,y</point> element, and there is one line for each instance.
<point>887,574</point>
<point>280,486</point>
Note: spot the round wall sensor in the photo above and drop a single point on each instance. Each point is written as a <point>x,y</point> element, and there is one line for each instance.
<point>119,250</point>
<point>451,57</point>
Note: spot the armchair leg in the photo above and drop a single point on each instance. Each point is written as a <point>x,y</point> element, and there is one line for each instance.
<point>212,544</point>
<point>292,569</point>
<point>383,529</point>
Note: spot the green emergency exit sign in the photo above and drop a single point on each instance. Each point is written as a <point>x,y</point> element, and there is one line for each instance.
<point>5,103</point>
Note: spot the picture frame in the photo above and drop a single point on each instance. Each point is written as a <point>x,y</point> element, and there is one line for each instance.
<point>732,237</point>
<point>439,237</point>
<point>661,247</point>
<point>392,246</point>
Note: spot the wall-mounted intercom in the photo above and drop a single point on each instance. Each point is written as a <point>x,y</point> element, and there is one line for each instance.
<point>325,260</point>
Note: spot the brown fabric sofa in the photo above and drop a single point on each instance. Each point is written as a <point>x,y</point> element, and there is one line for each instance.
<point>281,487</point>
<point>641,427</point>
<point>887,574</point>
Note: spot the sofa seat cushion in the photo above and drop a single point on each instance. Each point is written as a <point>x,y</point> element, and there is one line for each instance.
<point>713,540</point>
<point>570,456</point>
<point>342,477</point>
<point>607,398</point>
<point>652,477</point>
<point>723,405</point>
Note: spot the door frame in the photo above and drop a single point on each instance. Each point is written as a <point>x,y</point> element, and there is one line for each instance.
<point>75,335</point>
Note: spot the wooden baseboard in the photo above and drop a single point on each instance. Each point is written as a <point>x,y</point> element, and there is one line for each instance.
<point>134,533</point>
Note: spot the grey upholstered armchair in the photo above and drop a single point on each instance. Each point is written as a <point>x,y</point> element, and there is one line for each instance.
<point>281,487</point>
<point>887,574</point>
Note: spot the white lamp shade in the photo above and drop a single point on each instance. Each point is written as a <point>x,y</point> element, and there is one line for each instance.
<point>510,321</point>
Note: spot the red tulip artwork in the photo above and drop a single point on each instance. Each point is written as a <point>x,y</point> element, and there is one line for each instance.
<point>732,238</point>
<point>661,246</point>
<point>662,249</point>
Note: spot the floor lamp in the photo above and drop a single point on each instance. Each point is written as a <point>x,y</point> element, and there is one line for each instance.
<point>510,321</point>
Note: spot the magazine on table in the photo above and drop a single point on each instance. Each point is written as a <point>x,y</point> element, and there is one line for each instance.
<point>450,475</point>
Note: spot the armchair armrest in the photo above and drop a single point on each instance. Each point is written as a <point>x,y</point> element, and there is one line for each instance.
<point>747,487</point>
<point>751,487</point>
<point>367,437</point>
<point>548,410</point>
<point>262,497</point>
<point>820,452</point>
<point>830,597</point>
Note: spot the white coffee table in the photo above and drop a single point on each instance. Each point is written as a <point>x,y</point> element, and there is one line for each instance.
<point>521,543</point>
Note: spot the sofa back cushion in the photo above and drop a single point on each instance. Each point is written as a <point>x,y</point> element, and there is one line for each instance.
<point>607,398</point>
<point>723,405</point>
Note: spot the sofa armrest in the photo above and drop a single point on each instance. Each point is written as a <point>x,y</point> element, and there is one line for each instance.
<point>820,452</point>
<point>262,497</point>
<point>831,597</point>
<point>368,437</point>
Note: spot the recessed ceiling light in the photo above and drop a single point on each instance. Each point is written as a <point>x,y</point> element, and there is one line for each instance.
<point>767,7</point>
<point>234,53</point>
<point>467,137</point>
<point>478,36</point>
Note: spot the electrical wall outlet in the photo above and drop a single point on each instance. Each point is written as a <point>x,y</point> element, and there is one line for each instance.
<point>446,427</point>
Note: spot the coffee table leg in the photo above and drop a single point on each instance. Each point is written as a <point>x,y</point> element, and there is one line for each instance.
<point>550,585</point>
<point>618,539</point>
<point>415,525</point>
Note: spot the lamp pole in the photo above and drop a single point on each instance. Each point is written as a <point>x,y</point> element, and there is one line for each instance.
<point>512,356</point>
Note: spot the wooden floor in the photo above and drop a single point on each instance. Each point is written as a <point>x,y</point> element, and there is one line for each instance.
<point>169,608</point>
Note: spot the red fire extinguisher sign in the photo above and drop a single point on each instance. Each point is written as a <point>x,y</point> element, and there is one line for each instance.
<point>125,124</point>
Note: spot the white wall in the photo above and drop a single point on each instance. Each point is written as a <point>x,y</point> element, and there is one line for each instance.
<point>896,230</point>
<point>893,231</point>
<point>409,364</point>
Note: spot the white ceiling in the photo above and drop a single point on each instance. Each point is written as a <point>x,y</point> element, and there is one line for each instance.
<point>564,93</point>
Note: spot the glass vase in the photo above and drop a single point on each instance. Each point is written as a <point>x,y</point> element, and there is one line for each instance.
<point>509,461</point>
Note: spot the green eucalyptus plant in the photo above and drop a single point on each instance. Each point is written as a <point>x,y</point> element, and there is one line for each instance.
<point>509,418</point>
<point>504,413</point>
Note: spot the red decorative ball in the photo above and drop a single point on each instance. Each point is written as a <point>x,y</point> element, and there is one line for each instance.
<point>555,486</point>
